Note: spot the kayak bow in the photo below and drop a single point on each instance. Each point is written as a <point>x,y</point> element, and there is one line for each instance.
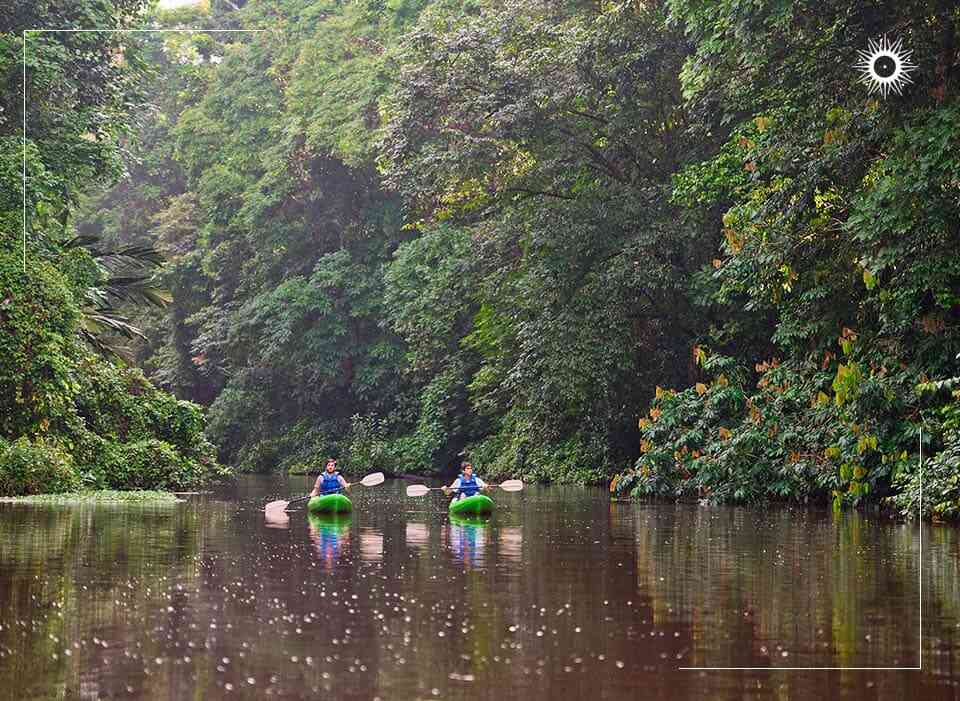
<point>329,504</point>
<point>477,505</point>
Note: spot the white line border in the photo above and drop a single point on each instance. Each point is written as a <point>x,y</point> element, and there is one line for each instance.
<point>77,31</point>
<point>920,641</point>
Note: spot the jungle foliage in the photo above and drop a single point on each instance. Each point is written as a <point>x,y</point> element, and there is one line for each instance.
<point>71,417</point>
<point>397,230</point>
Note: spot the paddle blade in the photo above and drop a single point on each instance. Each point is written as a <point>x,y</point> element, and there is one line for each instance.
<point>278,506</point>
<point>281,505</point>
<point>511,485</point>
<point>372,480</point>
<point>417,490</point>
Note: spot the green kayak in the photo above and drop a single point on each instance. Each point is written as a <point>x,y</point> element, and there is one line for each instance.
<point>477,505</point>
<point>329,504</point>
<point>469,520</point>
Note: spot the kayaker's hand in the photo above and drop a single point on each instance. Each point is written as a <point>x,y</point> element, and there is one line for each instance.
<point>348,485</point>
<point>446,490</point>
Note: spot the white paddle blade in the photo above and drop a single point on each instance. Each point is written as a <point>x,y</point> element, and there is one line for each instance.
<point>273,507</point>
<point>372,480</point>
<point>417,490</point>
<point>511,485</point>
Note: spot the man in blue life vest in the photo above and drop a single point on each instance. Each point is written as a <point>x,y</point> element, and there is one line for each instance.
<point>329,481</point>
<point>467,484</point>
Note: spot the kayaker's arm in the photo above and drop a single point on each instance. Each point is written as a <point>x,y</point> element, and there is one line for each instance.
<point>452,487</point>
<point>316,487</point>
<point>343,482</point>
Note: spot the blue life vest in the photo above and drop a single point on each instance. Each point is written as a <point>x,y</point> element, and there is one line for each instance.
<point>469,487</point>
<point>330,483</point>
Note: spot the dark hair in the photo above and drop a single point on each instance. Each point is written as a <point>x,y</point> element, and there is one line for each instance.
<point>465,464</point>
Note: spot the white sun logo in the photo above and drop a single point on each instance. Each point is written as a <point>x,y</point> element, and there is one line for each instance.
<point>885,67</point>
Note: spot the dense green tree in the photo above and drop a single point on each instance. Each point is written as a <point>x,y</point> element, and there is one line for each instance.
<point>69,417</point>
<point>840,228</point>
<point>401,231</point>
<point>549,134</point>
<point>265,201</point>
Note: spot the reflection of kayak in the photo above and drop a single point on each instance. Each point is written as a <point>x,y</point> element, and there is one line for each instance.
<point>329,504</point>
<point>468,537</point>
<point>477,505</point>
<point>329,524</point>
<point>469,520</point>
<point>330,533</point>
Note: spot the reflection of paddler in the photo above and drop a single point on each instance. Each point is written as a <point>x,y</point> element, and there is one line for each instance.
<point>467,537</point>
<point>329,534</point>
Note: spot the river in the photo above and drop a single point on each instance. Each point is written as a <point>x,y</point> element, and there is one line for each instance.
<point>563,594</point>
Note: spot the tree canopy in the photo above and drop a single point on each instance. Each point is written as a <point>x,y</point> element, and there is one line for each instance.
<point>675,243</point>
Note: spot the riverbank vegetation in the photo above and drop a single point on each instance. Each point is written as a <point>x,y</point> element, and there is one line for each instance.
<point>102,496</point>
<point>71,416</point>
<point>678,244</point>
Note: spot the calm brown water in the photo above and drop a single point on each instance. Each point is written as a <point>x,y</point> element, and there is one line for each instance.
<point>563,595</point>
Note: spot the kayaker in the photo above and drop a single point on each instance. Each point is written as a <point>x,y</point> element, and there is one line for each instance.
<point>329,481</point>
<point>467,484</point>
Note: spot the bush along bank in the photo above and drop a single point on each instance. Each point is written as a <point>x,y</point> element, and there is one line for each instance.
<point>842,430</point>
<point>72,420</point>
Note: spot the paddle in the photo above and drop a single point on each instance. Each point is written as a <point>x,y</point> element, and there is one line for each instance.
<point>419,490</point>
<point>279,506</point>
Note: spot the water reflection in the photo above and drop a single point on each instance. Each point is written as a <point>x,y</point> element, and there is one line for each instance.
<point>417,534</point>
<point>330,534</point>
<point>560,595</point>
<point>467,538</point>
<point>511,543</point>
<point>371,545</point>
<point>783,588</point>
<point>276,519</point>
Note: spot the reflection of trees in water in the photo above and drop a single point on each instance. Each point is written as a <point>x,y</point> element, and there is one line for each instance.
<point>832,591</point>
<point>70,574</point>
<point>163,577</point>
<point>941,599</point>
<point>189,586</point>
<point>547,601</point>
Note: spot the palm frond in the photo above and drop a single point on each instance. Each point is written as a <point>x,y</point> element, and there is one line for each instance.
<point>100,329</point>
<point>136,255</point>
<point>102,324</point>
